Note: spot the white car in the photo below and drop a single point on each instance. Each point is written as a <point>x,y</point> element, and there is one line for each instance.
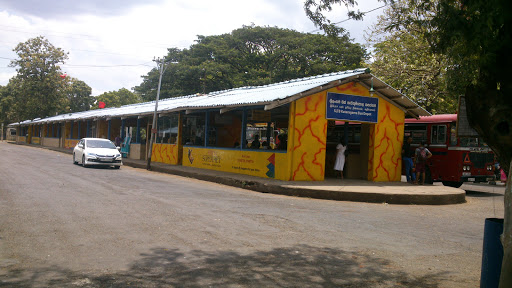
<point>97,151</point>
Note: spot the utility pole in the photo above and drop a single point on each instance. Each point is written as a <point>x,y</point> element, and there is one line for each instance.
<point>153,127</point>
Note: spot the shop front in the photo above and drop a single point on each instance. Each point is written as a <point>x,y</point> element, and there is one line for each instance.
<point>286,131</point>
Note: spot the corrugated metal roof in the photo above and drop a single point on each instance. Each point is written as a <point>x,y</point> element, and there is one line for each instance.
<point>271,95</point>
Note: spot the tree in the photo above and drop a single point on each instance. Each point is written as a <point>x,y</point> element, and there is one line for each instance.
<point>38,89</point>
<point>251,56</point>
<point>476,36</point>
<point>78,96</point>
<point>405,60</point>
<point>117,98</point>
<point>5,103</point>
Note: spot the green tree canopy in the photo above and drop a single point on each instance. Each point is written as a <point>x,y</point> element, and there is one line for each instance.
<point>78,96</point>
<point>404,59</point>
<point>476,37</point>
<point>117,98</point>
<point>37,90</point>
<point>250,56</point>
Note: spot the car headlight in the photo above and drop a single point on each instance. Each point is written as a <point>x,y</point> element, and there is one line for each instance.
<point>118,156</point>
<point>89,154</point>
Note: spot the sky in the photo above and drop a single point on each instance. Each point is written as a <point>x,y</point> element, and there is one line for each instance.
<point>112,43</point>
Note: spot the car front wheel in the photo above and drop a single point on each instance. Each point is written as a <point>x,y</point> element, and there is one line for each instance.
<point>83,161</point>
<point>74,160</point>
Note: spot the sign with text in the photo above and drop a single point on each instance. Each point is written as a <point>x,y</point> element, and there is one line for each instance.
<point>352,108</point>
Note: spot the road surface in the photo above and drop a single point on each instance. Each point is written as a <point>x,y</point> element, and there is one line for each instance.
<point>63,225</point>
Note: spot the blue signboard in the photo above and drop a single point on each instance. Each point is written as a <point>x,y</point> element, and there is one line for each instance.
<point>352,108</point>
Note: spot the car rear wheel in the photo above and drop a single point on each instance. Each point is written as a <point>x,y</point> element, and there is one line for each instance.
<point>83,161</point>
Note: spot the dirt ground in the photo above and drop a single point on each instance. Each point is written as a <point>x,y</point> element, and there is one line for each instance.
<point>62,225</point>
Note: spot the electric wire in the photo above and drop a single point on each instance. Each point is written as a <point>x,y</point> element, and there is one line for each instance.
<point>351,18</point>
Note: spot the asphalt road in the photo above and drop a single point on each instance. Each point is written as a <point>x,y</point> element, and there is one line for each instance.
<point>62,225</point>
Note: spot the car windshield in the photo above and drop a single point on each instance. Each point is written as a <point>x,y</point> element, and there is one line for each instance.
<point>100,144</point>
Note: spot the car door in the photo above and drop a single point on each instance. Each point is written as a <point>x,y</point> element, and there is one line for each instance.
<point>80,150</point>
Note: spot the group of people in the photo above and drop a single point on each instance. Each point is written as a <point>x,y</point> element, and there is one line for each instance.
<point>415,162</point>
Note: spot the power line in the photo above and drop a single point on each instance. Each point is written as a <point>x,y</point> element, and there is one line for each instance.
<point>106,66</point>
<point>94,66</point>
<point>350,18</point>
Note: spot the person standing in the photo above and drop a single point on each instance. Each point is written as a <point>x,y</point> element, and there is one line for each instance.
<point>340,158</point>
<point>421,155</point>
<point>407,155</point>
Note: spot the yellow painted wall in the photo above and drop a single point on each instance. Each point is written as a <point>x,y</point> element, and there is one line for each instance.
<point>260,164</point>
<point>307,135</point>
<point>51,142</point>
<point>386,139</point>
<point>35,140</point>
<point>165,153</point>
<point>70,143</point>
<point>307,138</point>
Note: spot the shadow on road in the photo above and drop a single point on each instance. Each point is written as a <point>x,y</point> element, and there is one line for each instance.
<point>480,194</point>
<point>301,266</point>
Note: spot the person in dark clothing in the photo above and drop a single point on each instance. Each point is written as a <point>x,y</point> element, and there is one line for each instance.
<point>256,143</point>
<point>407,155</point>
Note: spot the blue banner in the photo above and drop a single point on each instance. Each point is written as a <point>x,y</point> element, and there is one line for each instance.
<point>352,108</point>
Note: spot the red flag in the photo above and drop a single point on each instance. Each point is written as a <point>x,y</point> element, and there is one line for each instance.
<point>63,76</point>
<point>101,104</point>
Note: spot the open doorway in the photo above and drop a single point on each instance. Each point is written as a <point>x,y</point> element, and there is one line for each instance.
<point>357,137</point>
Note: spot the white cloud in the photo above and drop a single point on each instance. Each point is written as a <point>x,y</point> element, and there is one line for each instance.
<point>139,33</point>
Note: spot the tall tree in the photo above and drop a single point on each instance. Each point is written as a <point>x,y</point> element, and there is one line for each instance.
<point>39,89</point>
<point>118,98</point>
<point>404,59</point>
<point>78,96</point>
<point>251,56</point>
<point>477,37</point>
<point>5,103</point>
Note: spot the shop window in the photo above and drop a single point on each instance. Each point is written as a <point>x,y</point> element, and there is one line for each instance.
<point>267,129</point>
<point>167,129</point>
<point>224,130</point>
<point>193,129</point>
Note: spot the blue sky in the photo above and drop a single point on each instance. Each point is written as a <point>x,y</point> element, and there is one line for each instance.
<point>112,43</point>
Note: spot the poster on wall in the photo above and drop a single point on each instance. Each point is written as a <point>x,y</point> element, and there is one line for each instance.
<point>346,107</point>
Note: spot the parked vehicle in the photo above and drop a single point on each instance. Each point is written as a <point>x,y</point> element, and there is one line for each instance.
<point>454,160</point>
<point>97,151</point>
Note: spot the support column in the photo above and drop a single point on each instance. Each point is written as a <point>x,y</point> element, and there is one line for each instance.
<point>137,134</point>
<point>122,129</point>
<point>269,133</point>
<point>244,128</point>
<point>109,129</point>
<point>206,128</point>
<point>71,131</point>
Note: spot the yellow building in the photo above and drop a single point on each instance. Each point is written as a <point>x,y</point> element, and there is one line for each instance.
<point>285,131</point>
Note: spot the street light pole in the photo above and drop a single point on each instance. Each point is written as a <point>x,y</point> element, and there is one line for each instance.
<point>153,127</point>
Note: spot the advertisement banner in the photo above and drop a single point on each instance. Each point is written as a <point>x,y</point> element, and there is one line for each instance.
<point>352,108</point>
<point>261,164</point>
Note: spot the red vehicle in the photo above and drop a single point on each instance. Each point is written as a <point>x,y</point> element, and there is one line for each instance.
<point>454,160</point>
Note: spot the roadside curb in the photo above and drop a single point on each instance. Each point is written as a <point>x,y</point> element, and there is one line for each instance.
<point>458,196</point>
